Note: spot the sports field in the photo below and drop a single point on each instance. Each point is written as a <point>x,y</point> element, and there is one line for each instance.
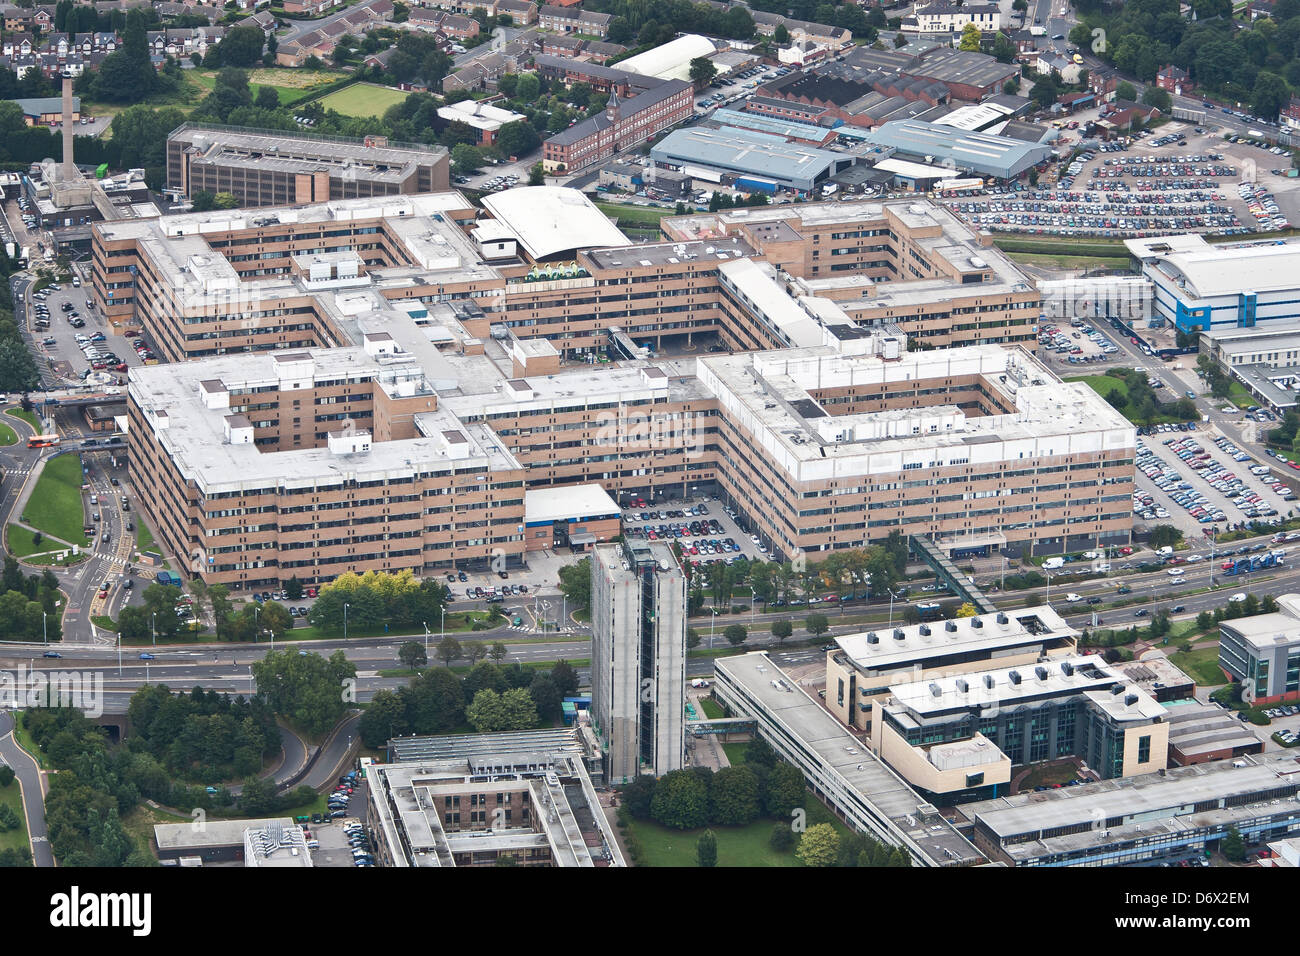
<point>363,99</point>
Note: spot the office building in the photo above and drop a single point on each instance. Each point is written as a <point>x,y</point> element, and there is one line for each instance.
<point>1182,812</point>
<point>473,800</point>
<point>864,665</point>
<point>227,841</point>
<point>434,346</point>
<point>956,738</point>
<point>623,124</point>
<point>1202,287</point>
<point>1262,653</point>
<point>264,168</point>
<point>1264,358</point>
<point>638,658</point>
<point>1199,733</point>
<point>859,787</point>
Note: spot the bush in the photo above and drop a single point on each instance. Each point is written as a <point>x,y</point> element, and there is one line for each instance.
<point>782,838</point>
<point>6,775</point>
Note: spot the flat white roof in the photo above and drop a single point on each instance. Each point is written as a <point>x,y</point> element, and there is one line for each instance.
<point>671,60</point>
<point>479,115</point>
<point>1205,270</point>
<point>560,504</point>
<point>551,219</point>
<point>902,167</point>
<point>1028,626</point>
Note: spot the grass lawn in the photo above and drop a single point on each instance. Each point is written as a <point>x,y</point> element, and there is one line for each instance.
<point>140,820</point>
<point>29,417</point>
<point>25,741</point>
<point>19,542</point>
<point>291,85</point>
<point>1202,665</point>
<point>1047,775</point>
<point>1103,385</point>
<point>55,505</point>
<point>143,537</point>
<point>7,435</point>
<point>737,846</point>
<point>712,709</point>
<point>363,99</point>
<point>1047,261</point>
<point>15,839</point>
<point>1240,397</point>
<point>735,753</point>
<point>627,214</point>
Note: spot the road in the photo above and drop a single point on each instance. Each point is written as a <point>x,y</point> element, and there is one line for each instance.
<point>34,787</point>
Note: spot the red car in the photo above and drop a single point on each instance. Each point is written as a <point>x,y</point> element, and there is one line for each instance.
<point>119,367</point>
<point>1125,550</point>
<point>131,333</point>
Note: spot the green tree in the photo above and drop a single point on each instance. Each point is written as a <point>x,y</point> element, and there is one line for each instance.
<point>1158,98</point>
<point>384,718</point>
<point>6,775</point>
<point>970,38</point>
<point>782,629</point>
<point>817,624</point>
<point>575,584</point>
<point>735,634</point>
<point>242,46</point>
<point>498,652</point>
<point>517,139</point>
<point>449,650</point>
<point>293,589</point>
<point>637,796</point>
<point>1232,846</point>
<point>782,838</point>
<point>412,654</point>
<point>528,88</point>
<point>537,174</point>
<point>785,790</point>
<point>733,797</point>
<point>486,713</point>
<point>703,72</point>
<point>819,846</point>
<point>1165,535</point>
<point>706,848</point>
<point>681,801</point>
<point>466,159</point>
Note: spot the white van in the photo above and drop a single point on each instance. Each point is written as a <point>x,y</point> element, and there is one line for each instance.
<point>1165,552</point>
<point>1051,564</point>
<point>1074,598</point>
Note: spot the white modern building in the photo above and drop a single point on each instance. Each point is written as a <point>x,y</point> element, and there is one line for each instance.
<point>638,658</point>
<point>1262,652</point>
<point>1201,287</point>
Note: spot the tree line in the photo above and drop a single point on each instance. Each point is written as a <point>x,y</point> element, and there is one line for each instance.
<point>1256,63</point>
<point>203,736</point>
<point>29,604</point>
<point>490,698</point>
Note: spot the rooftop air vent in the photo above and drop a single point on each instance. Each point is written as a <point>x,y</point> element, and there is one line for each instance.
<point>1014,676</point>
<point>1067,668</point>
<point>899,635</point>
<point>1003,619</point>
<point>936,690</point>
<point>1130,700</point>
<point>988,681</point>
<point>925,630</point>
<point>977,623</point>
<point>950,626</point>
<point>872,637</point>
<point>962,685</point>
<point>1041,672</point>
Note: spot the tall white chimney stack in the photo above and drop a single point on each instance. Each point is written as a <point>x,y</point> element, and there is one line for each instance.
<point>69,164</point>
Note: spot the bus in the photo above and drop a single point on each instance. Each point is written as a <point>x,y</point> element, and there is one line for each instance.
<point>929,612</point>
<point>42,441</point>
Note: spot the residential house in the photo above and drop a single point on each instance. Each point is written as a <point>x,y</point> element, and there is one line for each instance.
<point>574,20</point>
<point>944,17</point>
<point>1174,80</point>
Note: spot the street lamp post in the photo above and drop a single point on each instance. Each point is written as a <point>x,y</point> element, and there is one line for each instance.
<point>345,620</point>
<point>45,637</point>
<point>442,627</point>
<point>712,621</point>
<point>752,598</point>
<point>892,595</point>
<point>153,627</point>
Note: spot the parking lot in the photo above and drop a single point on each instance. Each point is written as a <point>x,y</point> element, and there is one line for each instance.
<point>1285,719</point>
<point>731,87</point>
<point>1194,481</point>
<point>707,531</point>
<point>1079,343</point>
<point>71,335</point>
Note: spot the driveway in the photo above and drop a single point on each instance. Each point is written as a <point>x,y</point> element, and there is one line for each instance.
<point>32,781</point>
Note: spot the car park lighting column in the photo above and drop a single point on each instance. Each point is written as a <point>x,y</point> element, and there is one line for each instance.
<point>345,621</point>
